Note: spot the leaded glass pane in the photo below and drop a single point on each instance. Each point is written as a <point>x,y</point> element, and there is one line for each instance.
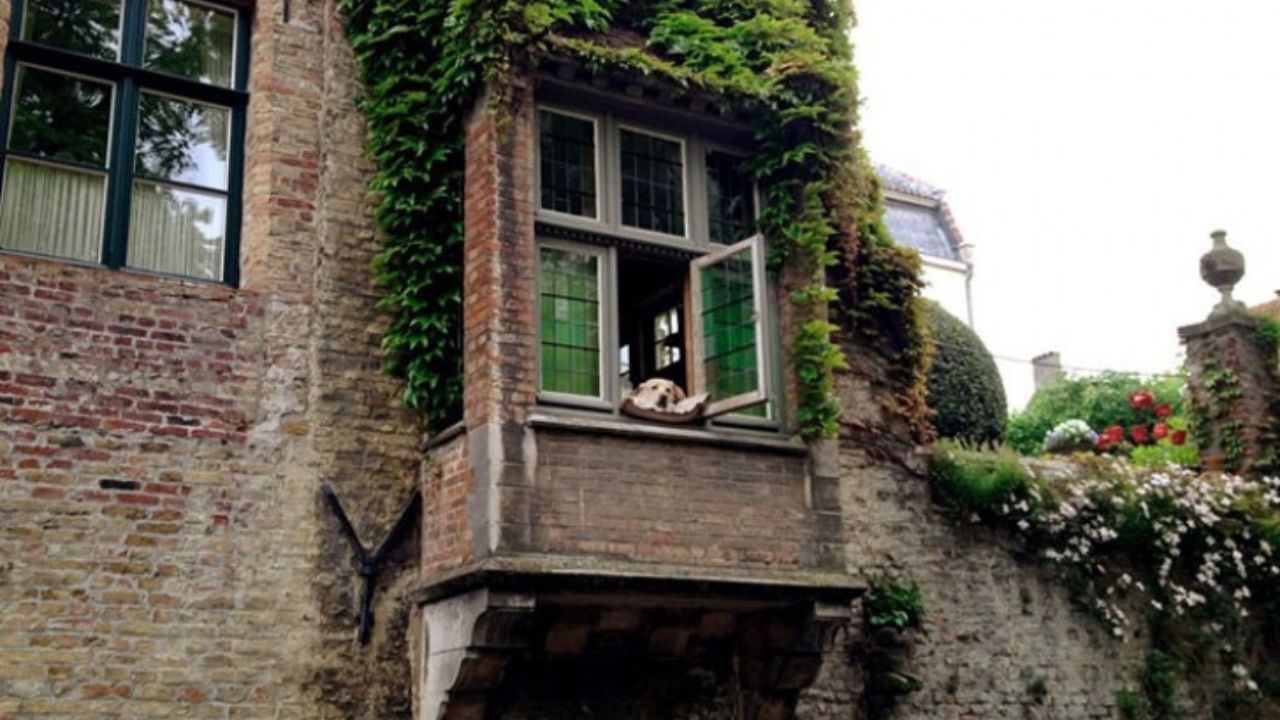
<point>652,183</point>
<point>567,156</point>
<point>61,117</point>
<point>729,325</point>
<point>183,141</point>
<point>731,200</point>
<point>191,40</point>
<point>89,27</point>
<point>570,313</point>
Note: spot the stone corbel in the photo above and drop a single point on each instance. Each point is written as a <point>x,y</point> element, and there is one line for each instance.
<point>469,640</point>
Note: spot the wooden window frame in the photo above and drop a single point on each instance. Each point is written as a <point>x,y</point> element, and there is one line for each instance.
<point>130,79</point>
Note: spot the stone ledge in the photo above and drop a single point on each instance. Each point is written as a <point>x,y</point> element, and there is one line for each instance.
<point>576,422</point>
<point>1217,323</point>
<point>552,573</point>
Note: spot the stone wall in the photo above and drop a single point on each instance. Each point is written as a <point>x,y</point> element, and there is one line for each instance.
<point>163,548</point>
<point>997,631</point>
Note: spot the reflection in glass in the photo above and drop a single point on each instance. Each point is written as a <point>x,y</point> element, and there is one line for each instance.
<point>191,40</point>
<point>52,210</point>
<point>730,199</point>
<point>90,27</point>
<point>183,141</point>
<point>61,117</point>
<point>177,232</point>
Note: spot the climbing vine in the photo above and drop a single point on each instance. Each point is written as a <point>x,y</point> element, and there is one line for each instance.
<point>786,64</point>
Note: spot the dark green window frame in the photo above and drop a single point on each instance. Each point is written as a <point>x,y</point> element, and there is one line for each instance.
<point>130,80</point>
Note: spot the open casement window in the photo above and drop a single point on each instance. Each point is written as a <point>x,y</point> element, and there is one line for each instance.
<point>727,322</point>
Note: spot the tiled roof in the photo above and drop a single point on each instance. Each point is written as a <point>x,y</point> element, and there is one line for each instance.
<point>898,181</point>
<point>1269,308</point>
<point>928,225</point>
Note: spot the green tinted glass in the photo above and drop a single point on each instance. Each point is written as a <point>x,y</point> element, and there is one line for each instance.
<point>729,326</point>
<point>89,27</point>
<point>570,321</point>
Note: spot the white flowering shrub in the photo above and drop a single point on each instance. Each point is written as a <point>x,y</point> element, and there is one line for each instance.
<point>1196,550</point>
<point>1070,435</point>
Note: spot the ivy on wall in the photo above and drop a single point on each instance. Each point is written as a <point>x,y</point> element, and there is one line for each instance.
<point>786,64</point>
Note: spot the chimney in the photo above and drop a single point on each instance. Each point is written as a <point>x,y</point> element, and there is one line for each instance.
<point>1047,368</point>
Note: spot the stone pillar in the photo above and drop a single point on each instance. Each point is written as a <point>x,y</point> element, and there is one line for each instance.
<point>1233,384</point>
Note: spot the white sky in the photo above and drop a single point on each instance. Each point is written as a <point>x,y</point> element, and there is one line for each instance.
<point>1087,149</point>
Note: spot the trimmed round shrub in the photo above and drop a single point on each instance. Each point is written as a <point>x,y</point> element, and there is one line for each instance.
<point>964,389</point>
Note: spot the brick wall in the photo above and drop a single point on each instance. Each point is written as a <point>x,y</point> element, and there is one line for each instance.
<point>649,501</point>
<point>163,549</point>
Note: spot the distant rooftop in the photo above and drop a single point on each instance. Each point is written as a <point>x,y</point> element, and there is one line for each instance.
<point>1270,308</point>
<point>918,216</point>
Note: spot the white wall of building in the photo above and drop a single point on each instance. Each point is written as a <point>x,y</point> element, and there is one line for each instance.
<point>945,284</point>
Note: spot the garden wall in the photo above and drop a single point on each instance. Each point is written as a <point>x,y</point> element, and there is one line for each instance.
<point>1001,637</point>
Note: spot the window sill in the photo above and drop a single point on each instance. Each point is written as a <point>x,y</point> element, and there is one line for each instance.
<point>637,429</point>
<point>202,286</point>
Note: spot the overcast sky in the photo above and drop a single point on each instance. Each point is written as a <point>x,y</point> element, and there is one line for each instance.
<point>1087,149</point>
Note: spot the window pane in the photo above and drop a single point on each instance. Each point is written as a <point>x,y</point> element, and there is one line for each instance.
<point>570,322</point>
<point>567,155</point>
<point>191,40</point>
<point>91,27</point>
<point>176,231</point>
<point>731,200</point>
<point>52,210</point>
<point>652,183</point>
<point>183,141</point>
<point>61,117</point>
<point>729,326</point>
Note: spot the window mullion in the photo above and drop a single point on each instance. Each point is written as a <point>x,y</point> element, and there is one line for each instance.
<point>124,134</point>
<point>133,31</point>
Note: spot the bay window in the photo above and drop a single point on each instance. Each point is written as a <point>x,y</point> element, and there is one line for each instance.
<point>123,122</point>
<point>649,267</point>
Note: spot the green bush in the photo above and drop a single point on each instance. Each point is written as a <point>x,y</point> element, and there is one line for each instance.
<point>893,602</point>
<point>1101,401</point>
<point>964,387</point>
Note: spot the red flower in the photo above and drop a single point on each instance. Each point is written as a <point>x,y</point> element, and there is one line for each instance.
<point>1164,411</point>
<point>1103,443</point>
<point>1161,431</point>
<point>1139,434</point>
<point>1115,434</point>
<point>1179,437</point>
<point>1142,400</point>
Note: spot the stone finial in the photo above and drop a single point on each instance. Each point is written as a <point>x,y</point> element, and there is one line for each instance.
<point>1222,267</point>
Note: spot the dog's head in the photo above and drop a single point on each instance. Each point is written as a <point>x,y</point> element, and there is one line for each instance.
<point>658,393</point>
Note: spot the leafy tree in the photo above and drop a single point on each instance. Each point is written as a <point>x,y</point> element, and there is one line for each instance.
<point>965,392</point>
<point>1100,400</point>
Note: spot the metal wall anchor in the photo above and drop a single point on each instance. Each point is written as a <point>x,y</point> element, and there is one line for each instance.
<point>369,564</point>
